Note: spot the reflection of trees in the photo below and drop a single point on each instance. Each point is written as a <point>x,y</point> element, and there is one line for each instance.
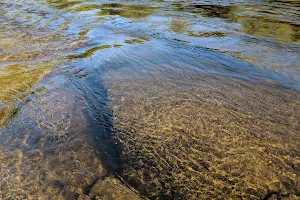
<point>255,19</point>
<point>128,11</point>
<point>179,26</point>
<point>61,4</point>
<point>270,27</point>
<point>294,3</point>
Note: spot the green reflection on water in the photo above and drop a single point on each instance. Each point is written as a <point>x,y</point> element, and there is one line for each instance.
<point>128,11</point>
<point>89,52</point>
<point>270,27</point>
<point>136,41</point>
<point>62,4</point>
<point>206,34</point>
<point>179,26</point>
<point>256,20</point>
<point>16,82</point>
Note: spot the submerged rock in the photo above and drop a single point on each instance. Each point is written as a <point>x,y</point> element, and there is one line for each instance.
<point>112,188</point>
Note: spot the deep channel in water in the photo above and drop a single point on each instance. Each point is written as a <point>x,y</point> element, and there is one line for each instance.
<point>149,99</point>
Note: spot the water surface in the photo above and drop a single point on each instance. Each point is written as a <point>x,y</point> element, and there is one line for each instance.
<point>149,99</point>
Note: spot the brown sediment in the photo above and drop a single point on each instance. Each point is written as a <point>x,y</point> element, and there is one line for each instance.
<point>51,156</point>
<point>60,162</point>
<point>193,136</point>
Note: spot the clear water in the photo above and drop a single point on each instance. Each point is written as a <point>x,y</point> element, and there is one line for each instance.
<point>177,99</point>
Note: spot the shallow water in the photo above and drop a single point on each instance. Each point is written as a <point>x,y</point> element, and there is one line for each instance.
<point>168,99</point>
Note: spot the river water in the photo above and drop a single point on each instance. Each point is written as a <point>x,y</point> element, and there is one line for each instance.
<point>149,99</point>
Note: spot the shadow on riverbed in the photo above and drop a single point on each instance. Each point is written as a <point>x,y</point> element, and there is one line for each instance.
<point>99,123</point>
<point>61,144</point>
<point>99,127</point>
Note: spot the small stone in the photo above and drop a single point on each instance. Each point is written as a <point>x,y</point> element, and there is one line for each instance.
<point>72,188</point>
<point>79,190</point>
<point>83,197</point>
